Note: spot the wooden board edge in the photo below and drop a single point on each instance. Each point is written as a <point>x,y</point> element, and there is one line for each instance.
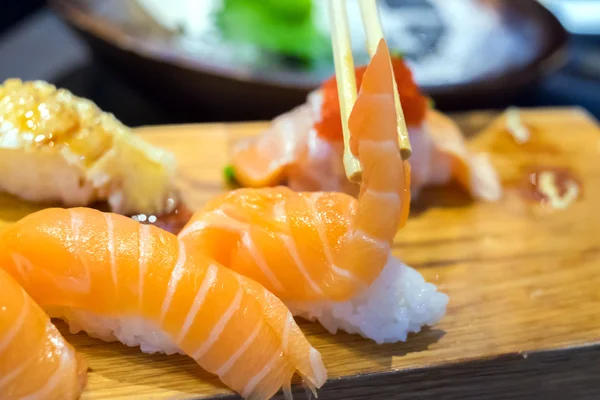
<point>558,373</point>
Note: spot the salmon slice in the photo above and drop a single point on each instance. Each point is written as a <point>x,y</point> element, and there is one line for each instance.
<point>35,360</point>
<point>263,161</point>
<point>117,279</point>
<point>312,246</point>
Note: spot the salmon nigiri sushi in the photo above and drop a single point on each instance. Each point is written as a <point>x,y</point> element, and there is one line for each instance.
<point>304,146</point>
<point>35,360</point>
<point>328,255</point>
<point>117,279</point>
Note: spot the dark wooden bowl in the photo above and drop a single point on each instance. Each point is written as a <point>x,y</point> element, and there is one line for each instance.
<point>529,43</point>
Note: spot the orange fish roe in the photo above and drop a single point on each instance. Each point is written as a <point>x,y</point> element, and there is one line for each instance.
<point>414,104</point>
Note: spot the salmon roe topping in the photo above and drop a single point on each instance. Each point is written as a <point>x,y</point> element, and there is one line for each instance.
<point>414,104</point>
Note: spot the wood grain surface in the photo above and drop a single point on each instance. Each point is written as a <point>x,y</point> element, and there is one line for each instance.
<point>523,281</point>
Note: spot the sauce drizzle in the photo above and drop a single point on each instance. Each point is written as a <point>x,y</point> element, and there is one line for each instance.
<point>553,187</point>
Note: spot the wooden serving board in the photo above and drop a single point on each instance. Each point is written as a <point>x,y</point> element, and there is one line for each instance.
<point>523,281</point>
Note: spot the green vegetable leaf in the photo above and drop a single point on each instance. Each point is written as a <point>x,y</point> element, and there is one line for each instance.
<point>281,26</point>
<point>229,174</point>
<point>431,102</point>
<point>293,10</point>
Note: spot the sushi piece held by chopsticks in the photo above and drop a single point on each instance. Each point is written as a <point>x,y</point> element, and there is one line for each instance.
<point>327,255</point>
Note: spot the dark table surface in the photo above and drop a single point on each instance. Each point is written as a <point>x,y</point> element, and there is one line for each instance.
<point>42,47</point>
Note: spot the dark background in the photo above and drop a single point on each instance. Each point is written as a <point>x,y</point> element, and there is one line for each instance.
<point>35,44</point>
<point>11,11</point>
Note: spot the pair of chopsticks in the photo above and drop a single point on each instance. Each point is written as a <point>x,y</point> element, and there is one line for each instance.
<point>346,79</point>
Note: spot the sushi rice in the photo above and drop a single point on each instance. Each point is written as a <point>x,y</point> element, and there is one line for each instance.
<point>132,331</point>
<point>398,302</point>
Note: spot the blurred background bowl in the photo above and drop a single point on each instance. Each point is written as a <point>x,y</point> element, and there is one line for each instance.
<point>468,53</point>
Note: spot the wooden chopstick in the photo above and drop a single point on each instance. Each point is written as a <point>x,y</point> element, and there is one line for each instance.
<point>346,78</point>
<point>374,34</point>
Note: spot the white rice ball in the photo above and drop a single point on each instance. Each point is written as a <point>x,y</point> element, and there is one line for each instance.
<point>132,331</point>
<point>397,303</point>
